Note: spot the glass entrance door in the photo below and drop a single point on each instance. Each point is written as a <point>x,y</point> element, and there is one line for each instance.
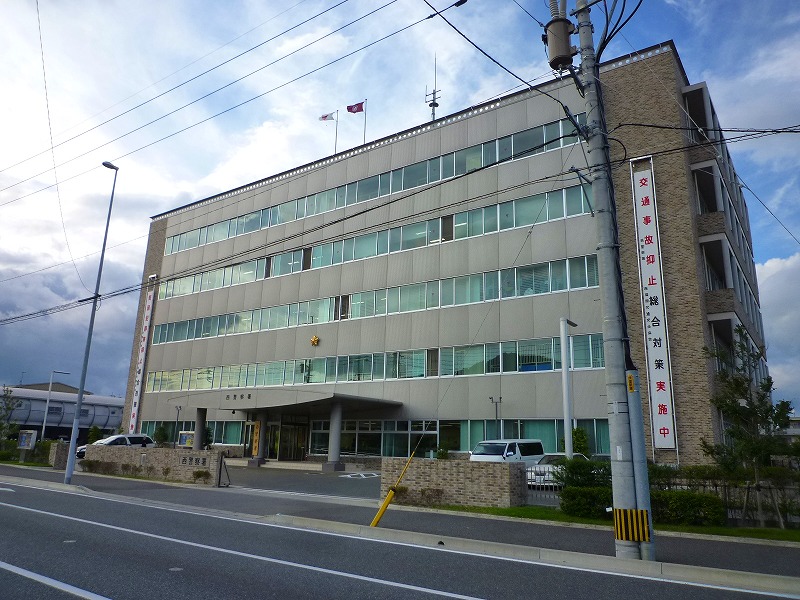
<point>273,441</point>
<point>293,440</point>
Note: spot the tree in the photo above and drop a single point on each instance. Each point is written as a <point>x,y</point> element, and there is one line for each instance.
<point>161,436</point>
<point>752,422</point>
<point>95,433</point>
<point>7,405</point>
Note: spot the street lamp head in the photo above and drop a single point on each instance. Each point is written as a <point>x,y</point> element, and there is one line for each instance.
<point>108,165</point>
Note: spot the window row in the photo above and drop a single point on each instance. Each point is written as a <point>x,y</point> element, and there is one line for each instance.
<point>522,212</point>
<point>572,273</point>
<point>519,145</point>
<point>586,352</point>
<point>399,438</point>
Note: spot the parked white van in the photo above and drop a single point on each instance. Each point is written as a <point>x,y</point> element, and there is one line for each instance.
<point>528,451</point>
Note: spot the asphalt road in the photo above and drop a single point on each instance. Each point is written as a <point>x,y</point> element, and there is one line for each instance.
<point>59,543</point>
<point>354,500</point>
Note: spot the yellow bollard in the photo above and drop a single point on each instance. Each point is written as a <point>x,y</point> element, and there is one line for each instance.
<point>390,495</point>
<point>383,508</point>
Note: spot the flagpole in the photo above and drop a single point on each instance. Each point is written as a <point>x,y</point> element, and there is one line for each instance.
<point>365,120</point>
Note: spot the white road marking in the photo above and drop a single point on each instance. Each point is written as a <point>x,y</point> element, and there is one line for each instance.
<point>53,583</point>
<point>277,561</point>
<point>663,579</point>
<point>6,490</point>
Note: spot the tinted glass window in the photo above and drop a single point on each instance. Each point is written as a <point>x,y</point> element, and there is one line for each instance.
<point>530,448</point>
<point>489,449</point>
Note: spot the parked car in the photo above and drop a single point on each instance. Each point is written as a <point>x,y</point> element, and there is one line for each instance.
<point>528,451</point>
<point>542,473</point>
<point>144,441</point>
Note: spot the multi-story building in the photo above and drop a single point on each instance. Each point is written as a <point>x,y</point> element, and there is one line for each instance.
<point>407,293</point>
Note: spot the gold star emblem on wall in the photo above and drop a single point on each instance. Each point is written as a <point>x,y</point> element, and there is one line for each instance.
<point>315,341</point>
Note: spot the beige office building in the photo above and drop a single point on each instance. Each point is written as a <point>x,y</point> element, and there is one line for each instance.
<point>408,293</point>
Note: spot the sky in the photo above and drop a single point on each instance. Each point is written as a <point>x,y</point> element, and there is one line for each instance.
<point>135,83</point>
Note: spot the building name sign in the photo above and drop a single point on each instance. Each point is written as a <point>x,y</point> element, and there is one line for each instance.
<point>139,381</point>
<point>654,311</point>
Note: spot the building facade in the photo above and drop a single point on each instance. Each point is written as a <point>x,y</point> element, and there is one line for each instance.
<point>407,294</point>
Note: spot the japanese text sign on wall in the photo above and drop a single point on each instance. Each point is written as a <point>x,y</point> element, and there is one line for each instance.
<point>140,375</point>
<point>654,312</point>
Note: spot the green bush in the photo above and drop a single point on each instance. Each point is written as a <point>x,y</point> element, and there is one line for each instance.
<point>587,502</point>
<point>6,455</point>
<point>683,507</point>
<point>99,466</point>
<point>203,474</point>
<point>583,473</point>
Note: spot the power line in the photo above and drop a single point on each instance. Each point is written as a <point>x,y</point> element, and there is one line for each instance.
<point>165,93</point>
<point>227,110</point>
<point>241,254</point>
<point>198,59</point>
<point>52,153</point>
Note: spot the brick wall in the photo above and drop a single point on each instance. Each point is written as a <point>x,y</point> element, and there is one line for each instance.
<point>152,463</point>
<point>457,482</point>
<point>660,102</point>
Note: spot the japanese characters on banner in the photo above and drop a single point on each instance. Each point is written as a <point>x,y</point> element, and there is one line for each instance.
<point>659,370</point>
<point>139,381</point>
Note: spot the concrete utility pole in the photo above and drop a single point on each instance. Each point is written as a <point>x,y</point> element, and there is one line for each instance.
<point>631,491</point>
<point>614,335</point>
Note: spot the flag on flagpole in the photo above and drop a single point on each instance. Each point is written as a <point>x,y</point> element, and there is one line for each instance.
<point>356,108</point>
<point>328,117</point>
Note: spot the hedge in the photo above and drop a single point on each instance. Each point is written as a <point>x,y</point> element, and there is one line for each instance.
<point>683,507</point>
<point>587,502</point>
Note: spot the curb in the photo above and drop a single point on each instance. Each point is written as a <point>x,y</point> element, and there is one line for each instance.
<point>669,572</point>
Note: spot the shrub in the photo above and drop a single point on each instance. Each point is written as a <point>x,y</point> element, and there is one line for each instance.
<point>662,477</point>
<point>442,454</point>
<point>683,507</point>
<point>203,474</point>
<point>99,466</point>
<point>6,455</point>
<point>583,473</point>
<point>587,502</point>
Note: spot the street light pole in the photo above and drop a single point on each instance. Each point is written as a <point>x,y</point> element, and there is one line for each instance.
<point>177,415</point>
<point>76,421</point>
<point>566,386</point>
<point>498,428</point>
<point>47,403</point>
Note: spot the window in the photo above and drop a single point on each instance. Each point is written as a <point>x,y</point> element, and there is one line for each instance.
<point>577,272</point>
<point>321,256</point>
<point>412,297</point>
<point>365,246</point>
<point>368,189</point>
<point>411,364</point>
<point>536,355</point>
<point>415,175</point>
<point>414,235</point>
<point>558,275</point>
<point>581,352</point>
<point>360,367</point>
<point>468,360</point>
<point>528,142</point>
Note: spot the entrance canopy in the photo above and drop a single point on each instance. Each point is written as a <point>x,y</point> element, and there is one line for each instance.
<point>288,401</point>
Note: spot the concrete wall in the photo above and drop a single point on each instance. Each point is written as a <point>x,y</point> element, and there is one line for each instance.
<point>457,482</point>
<point>151,463</point>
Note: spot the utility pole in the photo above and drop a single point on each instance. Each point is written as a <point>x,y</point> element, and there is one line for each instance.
<point>622,390</point>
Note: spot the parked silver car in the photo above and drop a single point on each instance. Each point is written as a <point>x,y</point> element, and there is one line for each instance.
<point>131,439</point>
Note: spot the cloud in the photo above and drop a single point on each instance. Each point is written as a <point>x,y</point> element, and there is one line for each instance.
<point>779,286</point>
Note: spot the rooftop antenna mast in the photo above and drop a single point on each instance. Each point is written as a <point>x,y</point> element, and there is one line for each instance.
<point>433,104</point>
